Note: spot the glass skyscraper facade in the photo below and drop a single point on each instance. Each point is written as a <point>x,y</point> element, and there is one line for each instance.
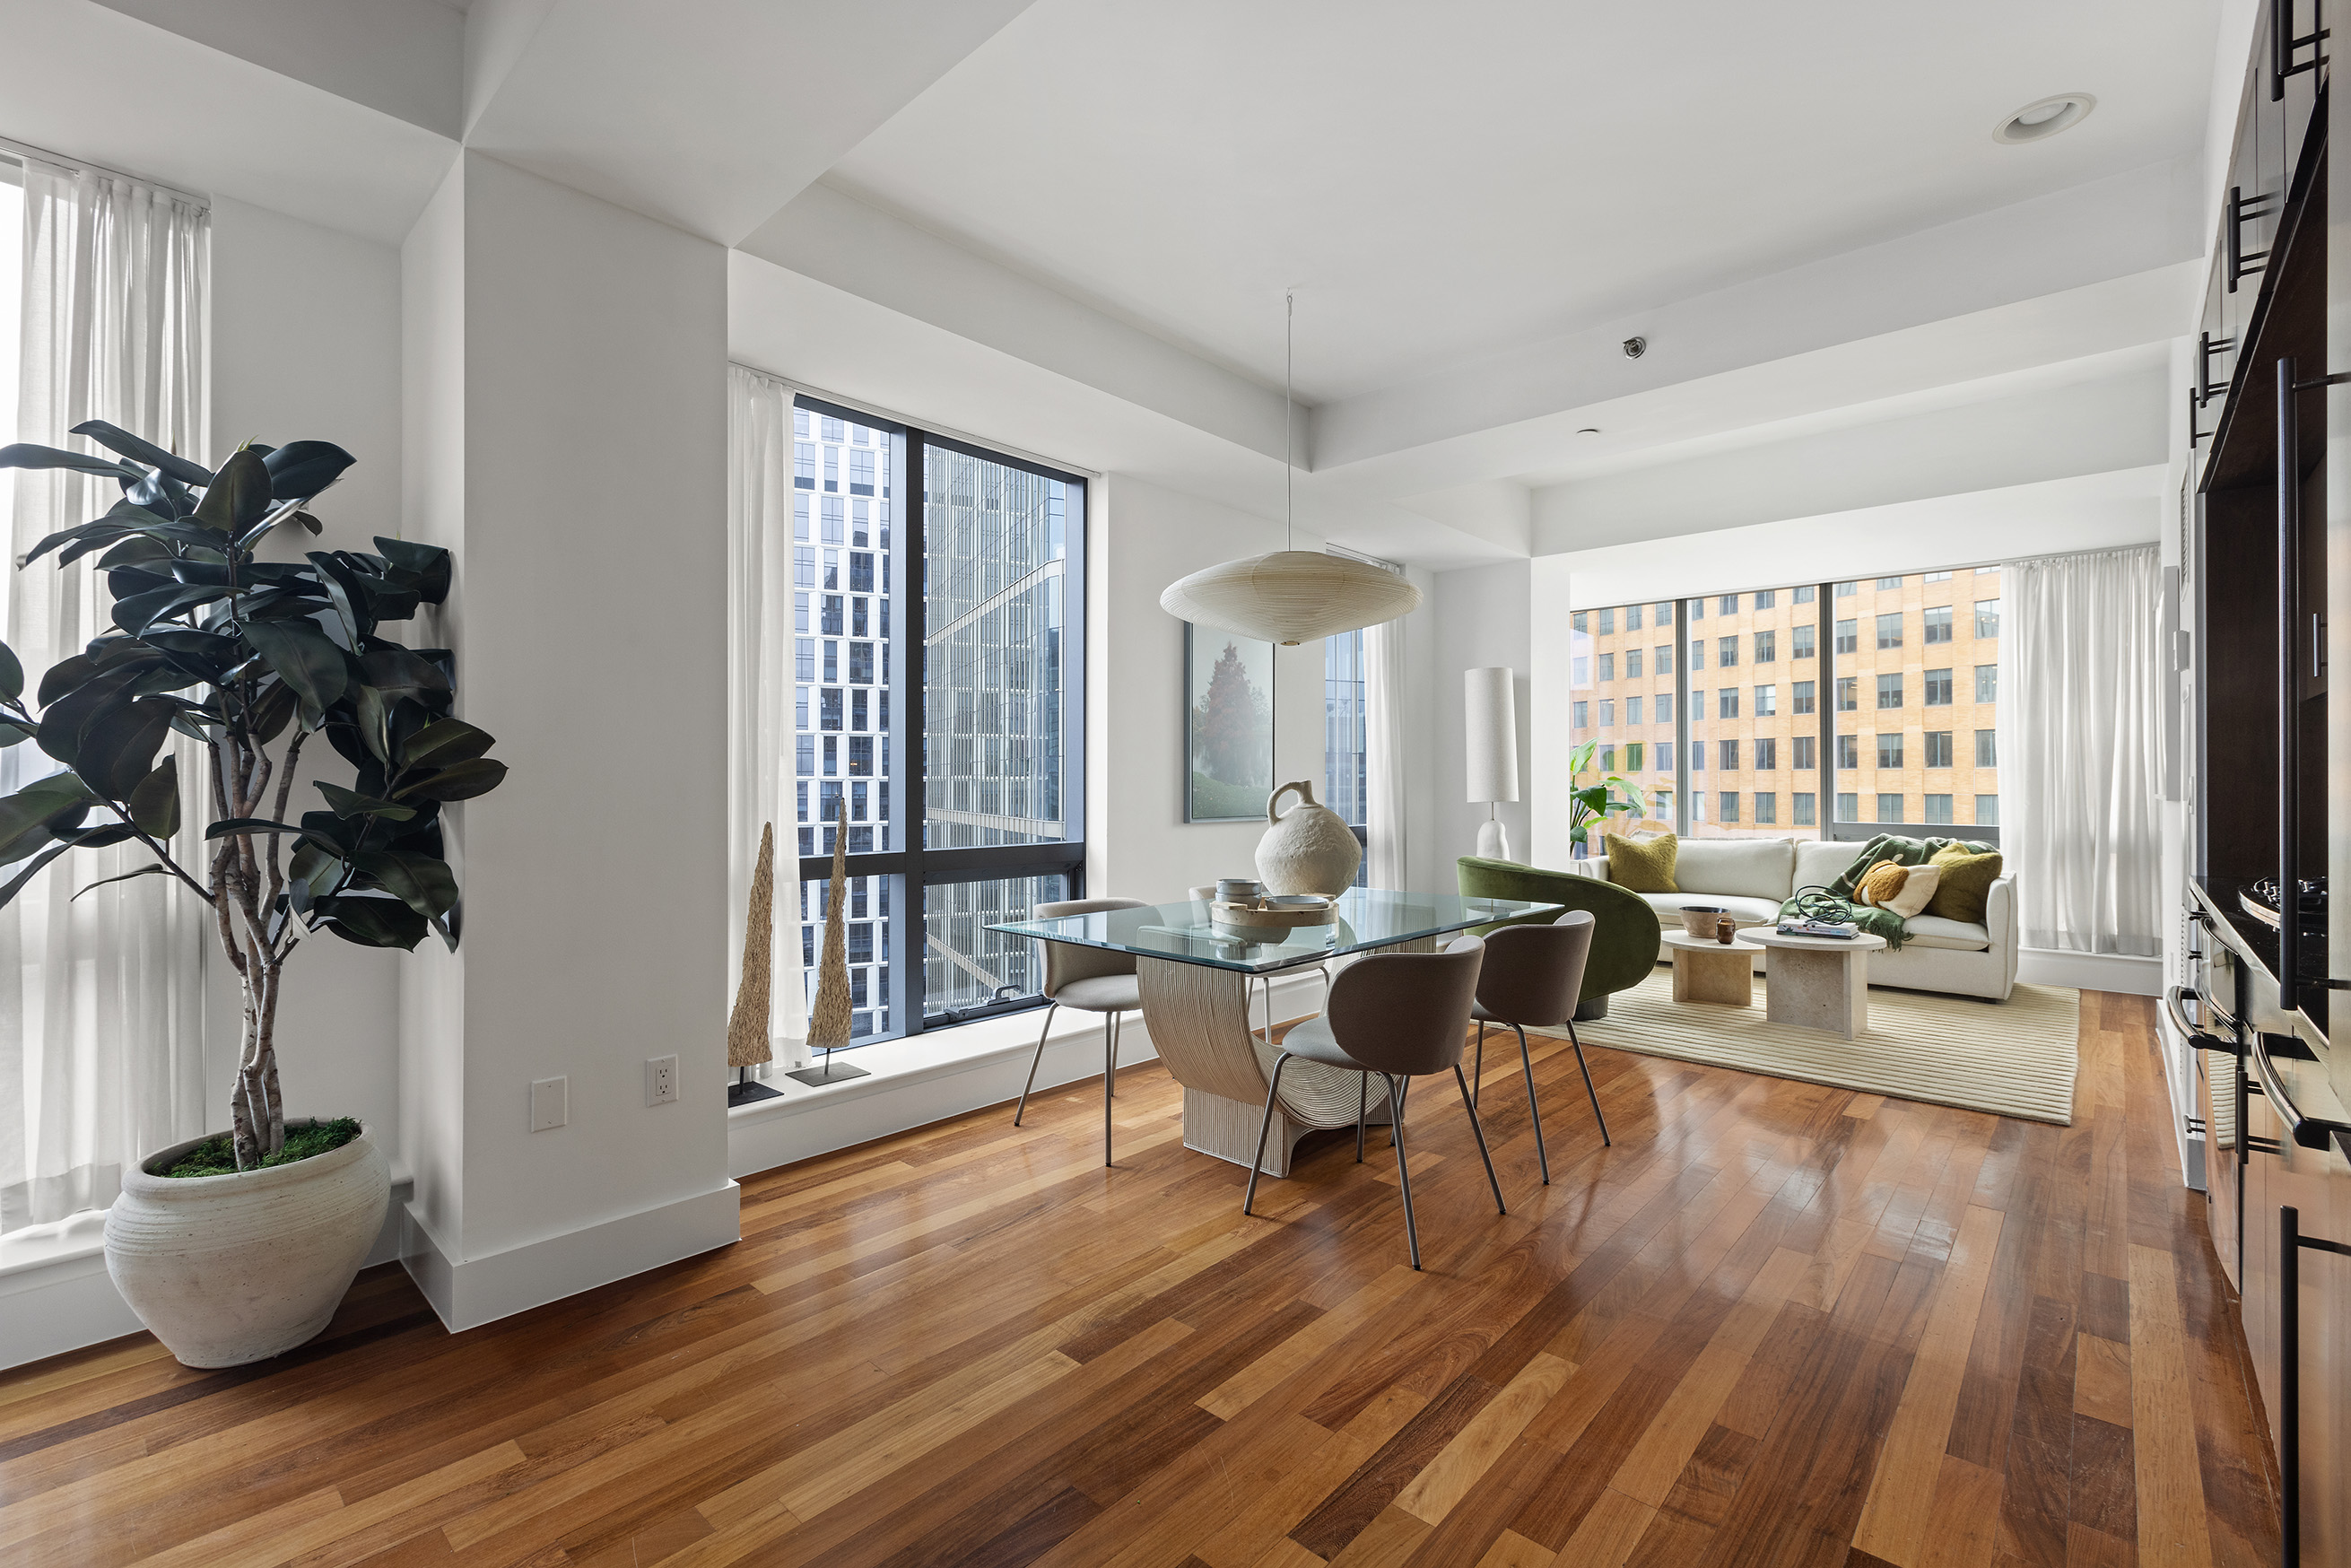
<point>987,725</point>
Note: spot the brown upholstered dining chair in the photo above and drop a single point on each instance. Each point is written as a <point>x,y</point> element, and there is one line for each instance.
<point>1531,977</point>
<point>1091,980</point>
<point>1398,1015</point>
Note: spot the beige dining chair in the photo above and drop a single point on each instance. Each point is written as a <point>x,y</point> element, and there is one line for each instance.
<point>1089,980</point>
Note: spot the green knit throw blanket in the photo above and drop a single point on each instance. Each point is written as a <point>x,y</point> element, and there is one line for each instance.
<point>1900,850</point>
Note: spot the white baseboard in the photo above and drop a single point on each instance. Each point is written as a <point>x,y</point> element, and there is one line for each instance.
<point>469,1292</point>
<point>64,1298</point>
<point>803,1126</point>
<point>2091,971</point>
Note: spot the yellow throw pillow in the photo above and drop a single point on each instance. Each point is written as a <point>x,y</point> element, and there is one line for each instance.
<point>1881,883</point>
<point>1966,883</point>
<point>1643,865</point>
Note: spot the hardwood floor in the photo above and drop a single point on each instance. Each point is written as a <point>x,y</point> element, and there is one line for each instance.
<point>1776,1323</point>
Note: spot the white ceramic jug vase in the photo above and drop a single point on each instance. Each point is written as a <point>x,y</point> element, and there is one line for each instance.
<point>1309,848</point>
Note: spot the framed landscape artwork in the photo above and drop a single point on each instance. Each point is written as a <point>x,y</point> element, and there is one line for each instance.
<point>1227,726</point>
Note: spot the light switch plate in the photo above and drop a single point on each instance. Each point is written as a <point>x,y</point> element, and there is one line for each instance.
<point>661,1080</point>
<point>550,1103</point>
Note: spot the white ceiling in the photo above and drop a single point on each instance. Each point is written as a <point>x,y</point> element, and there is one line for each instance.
<point>1446,183</point>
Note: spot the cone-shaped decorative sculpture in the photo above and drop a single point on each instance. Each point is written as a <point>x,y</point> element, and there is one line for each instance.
<point>747,1031</point>
<point>828,1020</point>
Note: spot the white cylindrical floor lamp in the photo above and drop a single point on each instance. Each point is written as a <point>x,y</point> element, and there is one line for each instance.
<point>1492,712</point>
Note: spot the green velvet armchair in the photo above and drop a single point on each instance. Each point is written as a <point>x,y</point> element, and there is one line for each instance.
<point>1626,938</point>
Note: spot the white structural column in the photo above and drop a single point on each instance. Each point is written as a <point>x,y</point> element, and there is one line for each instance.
<point>565,366</point>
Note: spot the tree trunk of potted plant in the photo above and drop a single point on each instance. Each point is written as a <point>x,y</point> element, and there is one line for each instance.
<point>238,1246</point>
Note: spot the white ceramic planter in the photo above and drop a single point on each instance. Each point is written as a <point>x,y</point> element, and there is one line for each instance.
<point>230,1268</point>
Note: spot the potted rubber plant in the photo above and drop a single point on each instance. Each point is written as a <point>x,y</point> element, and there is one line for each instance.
<point>238,1246</point>
<point>1590,804</point>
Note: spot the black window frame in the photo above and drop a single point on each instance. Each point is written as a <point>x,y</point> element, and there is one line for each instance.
<point>917,866</point>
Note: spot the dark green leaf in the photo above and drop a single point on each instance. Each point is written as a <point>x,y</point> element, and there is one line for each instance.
<point>312,523</point>
<point>461,782</point>
<point>16,731</point>
<point>429,563</point>
<point>136,614</point>
<point>238,496</point>
<point>25,455</point>
<point>162,495</point>
<point>152,868</point>
<point>117,748</point>
<point>348,803</point>
<point>12,674</point>
<point>134,550</point>
<point>303,658</point>
<point>38,812</point>
<point>372,922</point>
<point>100,531</point>
<point>16,885</point>
<point>63,723</point>
<point>105,835</point>
<point>392,668</point>
<point>421,883</point>
<point>272,712</point>
<point>300,469</point>
<point>116,439</point>
<point>348,594</point>
<point>155,803</point>
<point>373,720</point>
<point>445,741</point>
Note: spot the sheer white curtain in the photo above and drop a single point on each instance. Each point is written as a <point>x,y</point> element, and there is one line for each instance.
<point>2079,766</point>
<point>760,693</point>
<point>101,999</point>
<point>1383,802</point>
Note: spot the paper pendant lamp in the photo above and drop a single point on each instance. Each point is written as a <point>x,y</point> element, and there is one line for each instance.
<point>1291,596</point>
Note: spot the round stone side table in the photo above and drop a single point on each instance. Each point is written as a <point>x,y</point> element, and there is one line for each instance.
<point>1706,970</point>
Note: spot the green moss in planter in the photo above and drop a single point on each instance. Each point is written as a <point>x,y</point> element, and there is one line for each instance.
<point>217,1155</point>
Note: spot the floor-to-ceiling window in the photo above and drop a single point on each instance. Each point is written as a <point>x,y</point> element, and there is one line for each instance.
<point>1813,710</point>
<point>937,702</point>
<point>1344,735</point>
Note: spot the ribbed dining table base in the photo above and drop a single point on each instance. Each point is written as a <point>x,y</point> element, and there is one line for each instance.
<point>1199,1024</point>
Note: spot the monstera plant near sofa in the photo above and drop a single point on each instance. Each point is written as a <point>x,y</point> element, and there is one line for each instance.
<point>240,1246</point>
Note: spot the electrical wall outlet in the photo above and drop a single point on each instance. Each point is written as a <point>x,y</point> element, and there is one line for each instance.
<point>661,1081</point>
<point>550,1103</point>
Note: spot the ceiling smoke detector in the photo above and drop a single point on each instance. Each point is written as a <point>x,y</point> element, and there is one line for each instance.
<point>2036,121</point>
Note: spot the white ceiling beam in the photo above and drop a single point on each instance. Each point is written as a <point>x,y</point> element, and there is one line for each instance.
<point>2042,434</point>
<point>836,239</point>
<point>709,117</point>
<point>2119,229</point>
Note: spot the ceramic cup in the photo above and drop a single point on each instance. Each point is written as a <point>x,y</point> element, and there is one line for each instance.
<point>1726,930</point>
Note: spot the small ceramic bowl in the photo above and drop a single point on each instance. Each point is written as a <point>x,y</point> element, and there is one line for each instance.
<point>1699,919</point>
<point>1239,889</point>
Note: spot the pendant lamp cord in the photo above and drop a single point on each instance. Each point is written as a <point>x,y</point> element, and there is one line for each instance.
<point>1289,310</point>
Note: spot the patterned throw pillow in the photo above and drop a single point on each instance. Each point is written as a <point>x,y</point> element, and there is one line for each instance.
<point>1643,865</point>
<point>1966,883</point>
<point>1901,889</point>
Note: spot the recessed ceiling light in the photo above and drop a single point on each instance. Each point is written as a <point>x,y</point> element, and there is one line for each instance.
<point>1588,429</point>
<point>2045,118</point>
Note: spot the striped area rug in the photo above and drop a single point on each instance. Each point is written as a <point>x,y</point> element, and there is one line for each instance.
<point>2015,1058</point>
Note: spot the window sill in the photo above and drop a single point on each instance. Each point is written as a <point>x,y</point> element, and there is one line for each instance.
<point>893,1064</point>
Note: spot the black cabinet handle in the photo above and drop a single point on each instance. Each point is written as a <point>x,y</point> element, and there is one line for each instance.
<point>2284,45</point>
<point>2307,1131</point>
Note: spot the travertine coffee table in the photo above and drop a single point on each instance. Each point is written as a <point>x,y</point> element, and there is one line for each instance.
<point>1706,970</point>
<point>1817,982</point>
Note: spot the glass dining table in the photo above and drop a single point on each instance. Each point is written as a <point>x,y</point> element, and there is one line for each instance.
<point>1196,973</point>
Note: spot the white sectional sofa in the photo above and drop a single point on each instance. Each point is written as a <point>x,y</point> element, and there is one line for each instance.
<point>1753,877</point>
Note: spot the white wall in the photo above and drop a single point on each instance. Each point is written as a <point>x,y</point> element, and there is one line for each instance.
<point>590,626</point>
<point>1475,618</point>
<point>1138,844</point>
<point>306,346</point>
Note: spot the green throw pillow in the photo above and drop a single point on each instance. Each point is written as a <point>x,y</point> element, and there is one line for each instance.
<point>1643,865</point>
<point>1966,883</point>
